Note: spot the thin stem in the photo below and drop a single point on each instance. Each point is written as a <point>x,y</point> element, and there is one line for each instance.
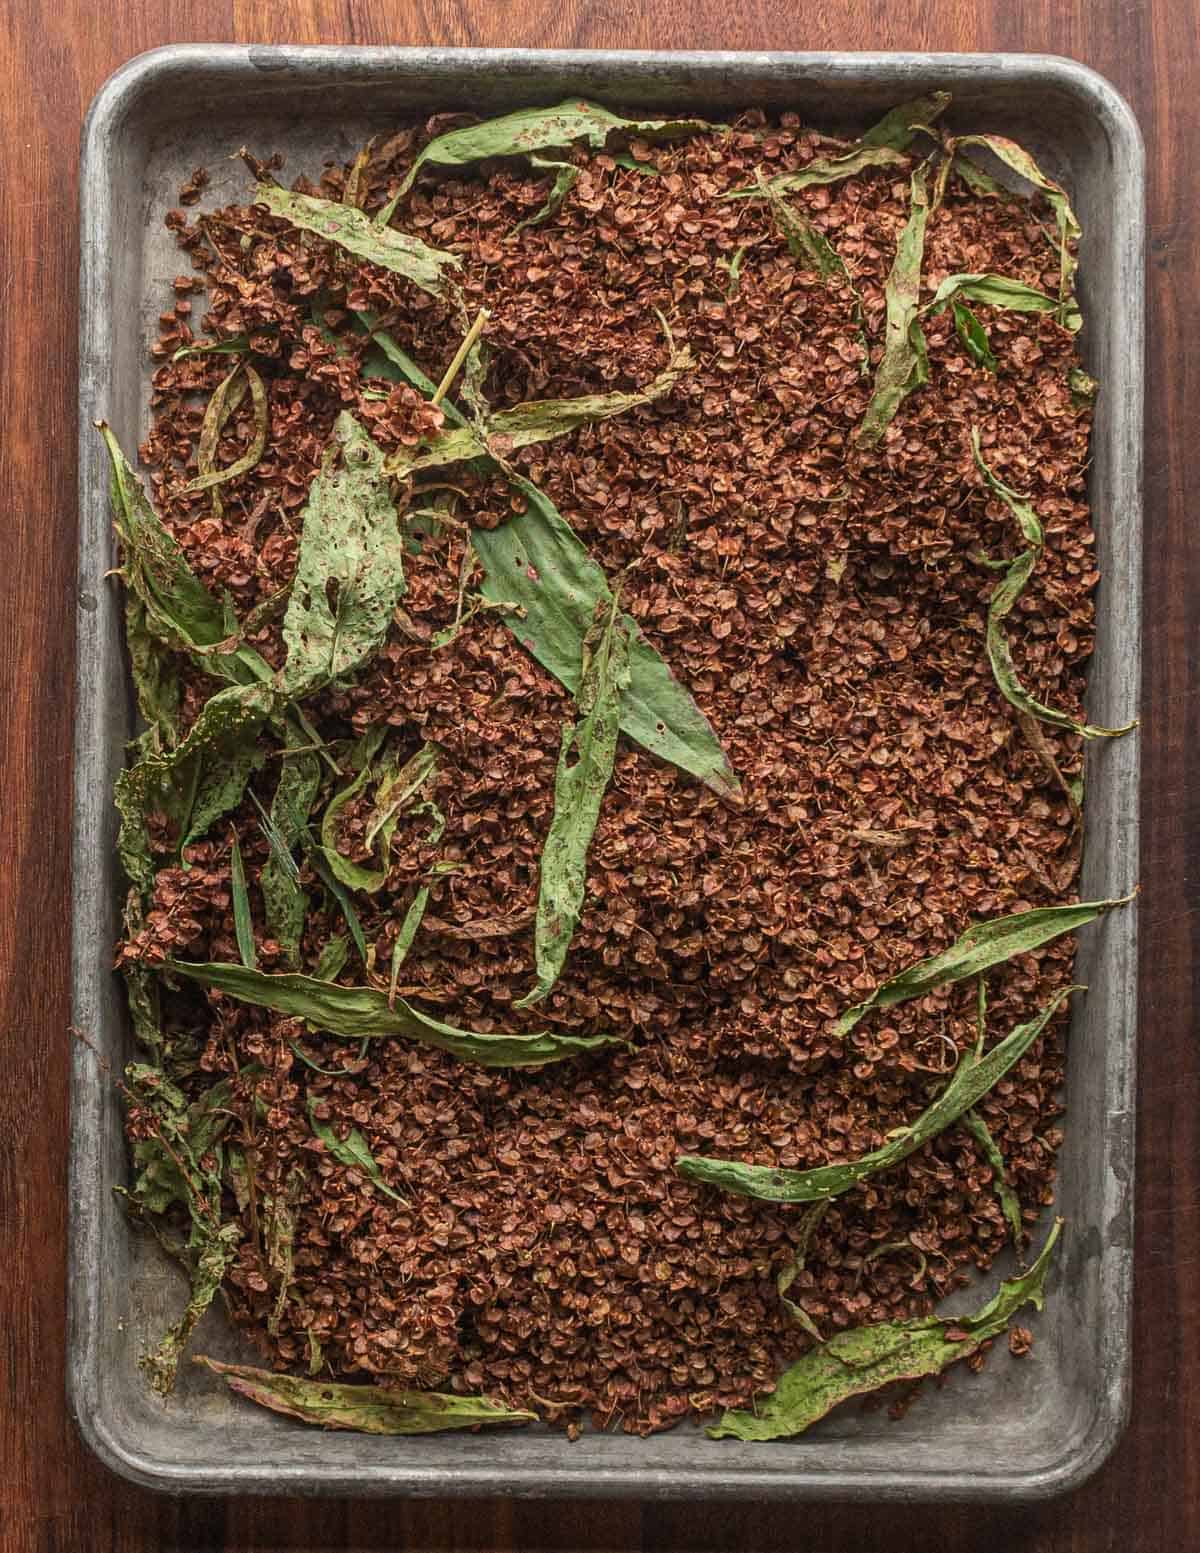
<point>460,356</point>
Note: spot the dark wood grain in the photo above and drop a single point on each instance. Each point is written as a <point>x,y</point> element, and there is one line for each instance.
<point>53,56</point>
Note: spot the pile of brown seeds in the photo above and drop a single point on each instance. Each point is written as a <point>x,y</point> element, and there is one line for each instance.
<point>826,607</point>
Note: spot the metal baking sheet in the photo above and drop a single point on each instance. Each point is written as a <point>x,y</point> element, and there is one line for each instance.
<point>1018,1430</point>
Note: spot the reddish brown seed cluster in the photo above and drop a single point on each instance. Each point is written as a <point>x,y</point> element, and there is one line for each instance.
<point>825,606</point>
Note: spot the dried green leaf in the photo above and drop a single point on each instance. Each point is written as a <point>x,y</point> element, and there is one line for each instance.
<point>155,678</point>
<point>630,163</point>
<point>243,921</point>
<point>1083,388</point>
<point>1010,1204</point>
<point>980,947</point>
<point>904,365</point>
<point>1016,157</point>
<point>350,569</point>
<point>804,240</point>
<point>973,336</point>
<point>387,360</point>
<point>351,1150</point>
<point>788,1275</point>
<point>537,561</point>
<point>358,1012</point>
<point>195,783</point>
<point>212,1260</point>
<point>898,128</point>
<point>1005,596</point>
<point>220,407</point>
<point>540,420</point>
<point>396,786</point>
<point>373,241</point>
<point>863,1359</point>
<point>368,1409</point>
<point>566,175</point>
<point>980,183</point>
<point>822,171</point>
<point>234,346</point>
<point>995,290</point>
<point>332,959</point>
<point>735,272</point>
<point>585,764</point>
<point>528,130</point>
<point>337,889</point>
<point>279,1238</point>
<point>284,902</point>
<point>970,1082</point>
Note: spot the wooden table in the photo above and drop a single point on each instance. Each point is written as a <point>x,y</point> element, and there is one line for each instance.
<point>52,1494</point>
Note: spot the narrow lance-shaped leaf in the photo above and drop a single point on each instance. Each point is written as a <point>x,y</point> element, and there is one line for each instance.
<point>358,1012</point>
<point>243,922</point>
<point>285,902</point>
<point>178,609</point>
<point>973,335</point>
<point>1000,607</point>
<point>536,129</point>
<point>350,569</point>
<point>366,239</point>
<point>808,243</point>
<point>995,290</point>
<point>904,365</point>
<point>368,1409</point>
<point>352,1150</point>
<point>235,345</point>
<point>899,127</point>
<point>566,176</point>
<point>540,420</point>
<point>980,947</point>
<point>197,782</point>
<point>538,562</point>
<point>221,407</point>
<point>415,914</point>
<point>396,785</point>
<point>862,1360</point>
<point>279,1214</point>
<point>1010,1203</point>
<point>970,1081</point>
<point>585,764</point>
<point>387,360</point>
<point>1016,157</point>
<point>822,171</point>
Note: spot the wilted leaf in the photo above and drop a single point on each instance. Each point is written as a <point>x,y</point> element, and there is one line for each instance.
<point>235,345</point>
<point>540,420</point>
<point>396,785</point>
<point>279,1240</point>
<point>388,361</point>
<point>358,1012</point>
<point>585,764</point>
<point>369,1409</point>
<point>373,241</point>
<point>284,902</point>
<point>528,130</point>
<point>973,335</point>
<point>1009,1202</point>
<point>995,290</point>
<point>899,127</point>
<point>823,170</point>
<point>350,1150</point>
<point>1014,156</point>
<point>537,561</point>
<point>904,365</point>
<point>350,569</point>
<point>195,783</point>
<point>221,406</point>
<point>970,1082</point>
<point>212,1259</point>
<point>1006,594</point>
<point>566,175</point>
<point>980,947</point>
<point>243,922</point>
<point>863,1359</point>
<point>333,957</point>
